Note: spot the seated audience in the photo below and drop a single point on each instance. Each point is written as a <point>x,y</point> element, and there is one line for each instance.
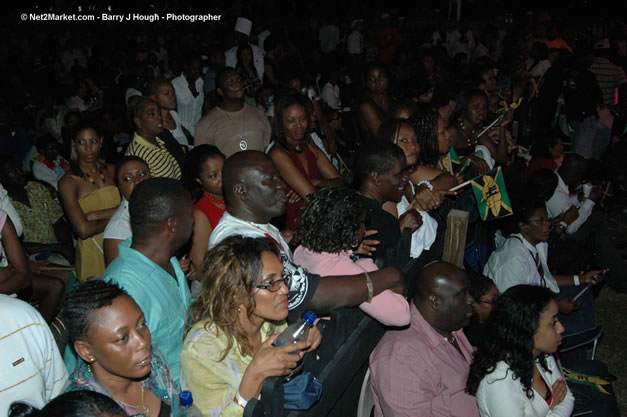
<point>332,226</point>
<point>303,166</point>
<point>484,293</point>
<point>202,177</point>
<point>546,153</point>
<point>376,101</point>
<point>589,223</point>
<point>89,198</point>
<point>160,89</point>
<point>146,268</point>
<point>45,228</point>
<point>147,145</point>
<point>464,134</point>
<point>17,279</point>
<point>129,171</point>
<point>422,370</point>
<point>255,194</point>
<point>32,369</point>
<point>381,176</point>
<point>190,95</point>
<point>233,125</point>
<point>240,311</point>
<point>522,259</point>
<point>514,372</point>
<point>49,165</point>
<point>110,334</point>
<point>71,404</point>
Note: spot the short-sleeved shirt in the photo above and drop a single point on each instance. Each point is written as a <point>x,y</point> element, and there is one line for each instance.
<point>232,132</point>
<point>304,283</point>
<point>30,364</point>
<point>214,382</point>
<point>163,299</point>
<point>119,226</point>
<point>39,218</point>
<point>160,161</point>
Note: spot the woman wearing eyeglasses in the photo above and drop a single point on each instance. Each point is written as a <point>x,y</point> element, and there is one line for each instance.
<point>242,307</point>
<point>522,259</point>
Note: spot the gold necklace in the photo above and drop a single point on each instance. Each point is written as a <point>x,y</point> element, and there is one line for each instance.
<point>137,407</point>
<point>451,339</point>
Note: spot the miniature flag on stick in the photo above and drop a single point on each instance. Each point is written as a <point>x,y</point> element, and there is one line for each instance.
<point>451,156</point>
<point>491,195</point>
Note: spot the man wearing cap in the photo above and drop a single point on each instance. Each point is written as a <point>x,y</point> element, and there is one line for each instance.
<point>242,33</point>
<point>609,75</point>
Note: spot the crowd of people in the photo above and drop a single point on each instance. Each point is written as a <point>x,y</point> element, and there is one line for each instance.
<point>171,200</point>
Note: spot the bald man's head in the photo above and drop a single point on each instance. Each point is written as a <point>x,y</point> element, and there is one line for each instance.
<point>442,296</point>
<point>253,187</point>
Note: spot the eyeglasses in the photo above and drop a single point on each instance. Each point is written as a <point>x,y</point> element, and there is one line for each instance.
<point>274,286</point>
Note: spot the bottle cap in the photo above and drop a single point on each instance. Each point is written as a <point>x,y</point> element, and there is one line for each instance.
<point>310,317</point>
<point>186,398</point>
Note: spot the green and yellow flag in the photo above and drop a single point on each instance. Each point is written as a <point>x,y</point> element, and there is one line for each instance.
<point>451,160</point>
<point>491,195</point>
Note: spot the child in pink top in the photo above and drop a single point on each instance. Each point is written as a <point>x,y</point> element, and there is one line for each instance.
<point>332,223</point>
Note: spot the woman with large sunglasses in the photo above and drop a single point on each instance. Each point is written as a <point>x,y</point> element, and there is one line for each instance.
<point>228,352</point>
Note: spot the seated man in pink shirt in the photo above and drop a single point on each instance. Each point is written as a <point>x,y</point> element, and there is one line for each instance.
<point>422,370</point>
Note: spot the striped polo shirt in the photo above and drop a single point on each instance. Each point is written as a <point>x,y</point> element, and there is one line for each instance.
<point>160,162</point>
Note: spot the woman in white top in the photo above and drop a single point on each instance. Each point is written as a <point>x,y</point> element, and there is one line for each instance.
<point>513,372</point>
<point>129,171</point>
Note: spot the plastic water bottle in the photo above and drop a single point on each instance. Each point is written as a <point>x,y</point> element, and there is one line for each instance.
<point>296,332</point>
<point>188,409</point>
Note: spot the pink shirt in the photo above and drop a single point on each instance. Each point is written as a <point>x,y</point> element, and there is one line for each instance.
<point>415,372</point>
<point>388,308</point>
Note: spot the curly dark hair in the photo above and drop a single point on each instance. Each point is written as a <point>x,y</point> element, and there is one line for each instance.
<point>425,123</point>
<point>330,219</point>
<point>82,302</point>
<point>509,336</point>
<point>70,404</point>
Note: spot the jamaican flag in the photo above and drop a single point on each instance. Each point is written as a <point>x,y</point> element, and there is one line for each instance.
<point>451,160</point>
<point>491,195</point>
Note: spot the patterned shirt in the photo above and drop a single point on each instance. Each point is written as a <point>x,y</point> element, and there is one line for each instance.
<point>39,218</point>
<point>160,161</point>
<point>159,382</point>
<point>214,382</point>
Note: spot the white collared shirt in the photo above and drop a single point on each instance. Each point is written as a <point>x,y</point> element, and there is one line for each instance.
<point>561,201</point>
<point>514,263</point>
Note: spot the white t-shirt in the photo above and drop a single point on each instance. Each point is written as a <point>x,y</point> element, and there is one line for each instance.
<point>119,226</point>
<point>30,364</point>
<point>177,132</point>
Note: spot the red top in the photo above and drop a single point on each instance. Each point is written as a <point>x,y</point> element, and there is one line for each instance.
<point>292,210</point>
<point>209,209</point>
<point>538,163</point>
